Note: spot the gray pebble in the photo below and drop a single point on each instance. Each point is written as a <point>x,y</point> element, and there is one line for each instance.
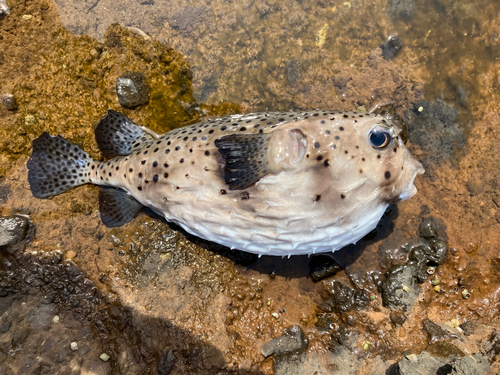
<point>132,90</point>
<point>293,340</point>
<point>12,230</point>
<point>8,100</point>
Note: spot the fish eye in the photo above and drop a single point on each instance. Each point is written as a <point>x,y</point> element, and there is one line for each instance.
<point>380,138</point>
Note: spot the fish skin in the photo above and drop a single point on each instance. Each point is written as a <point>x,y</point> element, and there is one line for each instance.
<point>326,186</point>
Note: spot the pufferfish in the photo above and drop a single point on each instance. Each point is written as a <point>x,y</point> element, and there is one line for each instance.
<point>273,183</point>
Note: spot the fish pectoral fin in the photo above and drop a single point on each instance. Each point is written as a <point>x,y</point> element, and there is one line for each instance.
<point>246,158</point>
<point>117,135</point>
<point>117,207</point>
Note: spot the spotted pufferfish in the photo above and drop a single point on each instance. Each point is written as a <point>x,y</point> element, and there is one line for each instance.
<point>273,183</point>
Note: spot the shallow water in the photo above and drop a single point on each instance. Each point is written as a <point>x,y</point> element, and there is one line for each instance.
<point>157,301</point>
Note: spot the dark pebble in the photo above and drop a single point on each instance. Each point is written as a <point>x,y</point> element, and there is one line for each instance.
<point>5,327</point>
<point>321,267</point>
<point>132,89</point>
<point>436,332</point>
<point>340,298</point>
<point>293,341</point>
<point>391,47</point>
<point>427,229</point>
<point>468,328</point>
<point>397,317</point>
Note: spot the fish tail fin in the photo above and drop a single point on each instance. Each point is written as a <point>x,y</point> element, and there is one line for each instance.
<point>117,135</point>
<point>56,165</point>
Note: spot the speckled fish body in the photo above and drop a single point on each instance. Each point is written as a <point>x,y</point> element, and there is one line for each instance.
<point>267,183</point>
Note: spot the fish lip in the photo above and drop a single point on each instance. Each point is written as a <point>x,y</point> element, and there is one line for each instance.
<point>410,190</point>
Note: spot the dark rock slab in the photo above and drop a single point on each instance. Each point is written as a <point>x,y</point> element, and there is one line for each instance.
<point>293,341</point>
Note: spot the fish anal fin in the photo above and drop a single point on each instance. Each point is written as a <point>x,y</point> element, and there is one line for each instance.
<point>117,135</point>
<point>117,207</point>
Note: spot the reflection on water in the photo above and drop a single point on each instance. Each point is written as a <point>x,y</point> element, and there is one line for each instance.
<point>135,284</point>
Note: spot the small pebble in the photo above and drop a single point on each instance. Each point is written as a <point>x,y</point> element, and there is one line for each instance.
<point>55,319</point>
<point>74,347</point>
<point>9,101</point>
<point>104,357</point>
<point>420,109</point>
<point>132,90</point>
<point>275,315</point>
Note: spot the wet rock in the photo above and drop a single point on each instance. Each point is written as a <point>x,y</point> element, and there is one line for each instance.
<point>9,101</point>
<point>397,317</point>
<point>345,336</point>
<point>12,230</point>
<point>22,335</point>
<point>401,9</point>
<point>5,327</point>
<point>468,328</point>
<point>293,341</point>
<point>427,364</point>
<point>340,298</point>
<point>427,229</point>
<point>391,47</point>
<point>437,332</point>
<point>132,90</point>
<point>166,363</point>
<point>398,287</point>
<point>470,365</point>
<point>321,267</point>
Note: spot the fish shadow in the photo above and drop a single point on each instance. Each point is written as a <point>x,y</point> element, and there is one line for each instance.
<point>296,266</point>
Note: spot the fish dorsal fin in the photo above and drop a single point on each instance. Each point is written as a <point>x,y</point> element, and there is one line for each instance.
<point>117,207</point>
<point>245,156</point>
<point>117,135</point>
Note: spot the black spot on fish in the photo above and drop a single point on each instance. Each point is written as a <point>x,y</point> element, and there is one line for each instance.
<point>182,160</point>
<point>327,132</point>
<point>316,145</point>
<point>379,156</point>
<point>167,151</point>
<point>317,197</point>
<point>345,152</point>
<point>177,148</point>
<point>207,152</point>
<point>165,175</point>
<point>345,116</point>
<point>130,169</point>
<point>140,175</point>
<point>165,165</point>
<point>145,152</point>
<point>117,168</point>
<point>342,196</point>
<point>139,188</point>
<point>210,131</point>
<point>155,164</point>
<point>322,121</point>
<point>326,163</point>
<point>143,162</point>
<point>242,129</point>
<point>222,192</point>
<point>93,167</point>
<point>387,175</point>
<point>319,158</point>
<point>337,137</point>
<point>245,195</point>
<point>341,128</point>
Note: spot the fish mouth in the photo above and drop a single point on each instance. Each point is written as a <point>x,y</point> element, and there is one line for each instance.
<point>410,190</point>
